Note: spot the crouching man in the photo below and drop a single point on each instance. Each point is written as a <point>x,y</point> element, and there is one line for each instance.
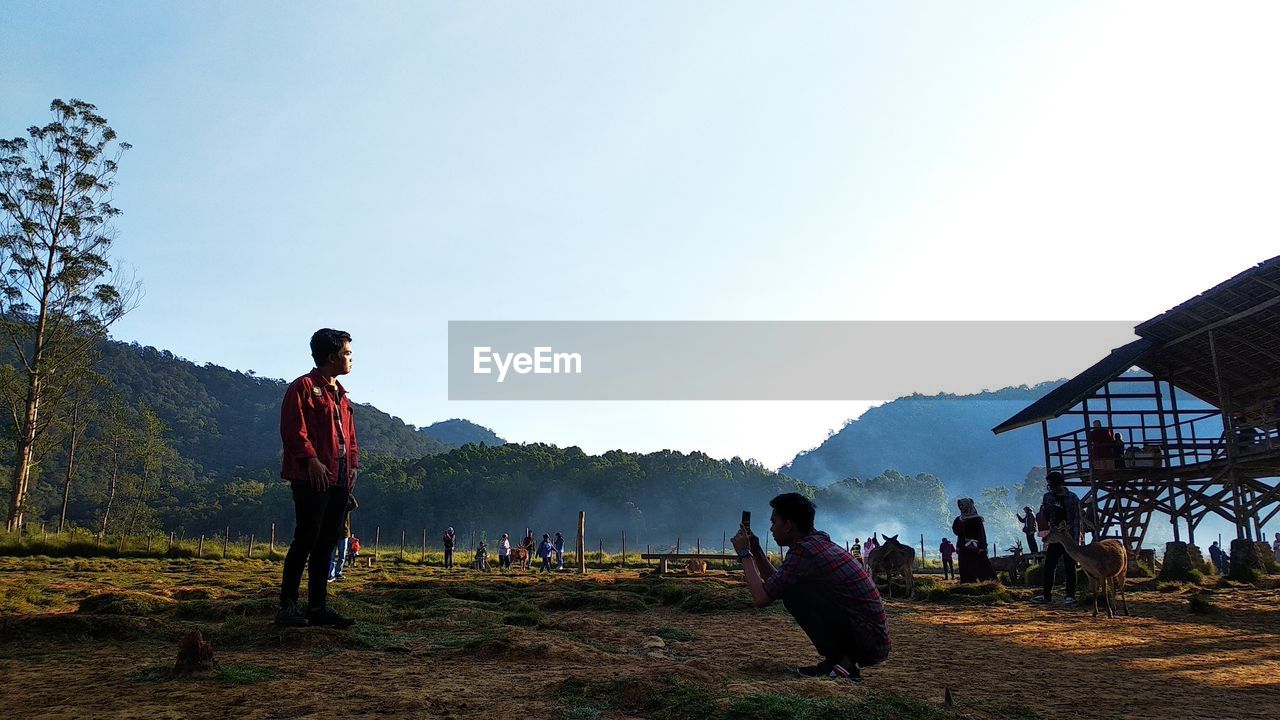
<point>828,593</point>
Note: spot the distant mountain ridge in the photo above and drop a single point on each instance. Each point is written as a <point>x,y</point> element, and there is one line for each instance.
<point>223,419</point>
<point>458,432</point>
<point>948,436</point>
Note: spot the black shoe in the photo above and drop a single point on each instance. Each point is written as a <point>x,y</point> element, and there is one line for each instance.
<point>289,615</point>
<point>832,671</point>
<point>325,615</point>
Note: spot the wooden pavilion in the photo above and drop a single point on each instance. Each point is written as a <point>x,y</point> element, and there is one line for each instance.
<point>1196,401</point>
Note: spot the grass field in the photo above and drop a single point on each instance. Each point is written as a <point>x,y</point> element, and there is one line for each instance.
<point>96,637</point>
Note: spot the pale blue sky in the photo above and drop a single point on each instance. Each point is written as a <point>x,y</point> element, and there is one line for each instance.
<point>388,167</point>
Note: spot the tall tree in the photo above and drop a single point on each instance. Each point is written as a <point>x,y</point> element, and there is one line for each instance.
<point>56,284</point>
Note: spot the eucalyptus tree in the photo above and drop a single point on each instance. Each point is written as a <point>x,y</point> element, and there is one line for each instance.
<point>58,294</point>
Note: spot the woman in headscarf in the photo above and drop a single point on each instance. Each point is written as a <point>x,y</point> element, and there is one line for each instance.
<point>971,544</point>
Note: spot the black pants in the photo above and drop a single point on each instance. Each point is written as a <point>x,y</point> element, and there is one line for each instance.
<point>448,557</point>
<point>1052,552</point>
<point>827,623</point>
<point>948,568</point>
<point>1031,543</point>
<point>317,529</point>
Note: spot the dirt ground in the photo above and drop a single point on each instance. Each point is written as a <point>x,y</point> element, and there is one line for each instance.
<point>1162,662</point>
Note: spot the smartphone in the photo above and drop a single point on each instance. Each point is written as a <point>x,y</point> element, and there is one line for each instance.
<point>746,519</point>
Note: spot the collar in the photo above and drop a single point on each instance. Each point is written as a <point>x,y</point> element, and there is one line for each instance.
<point>322,380</point>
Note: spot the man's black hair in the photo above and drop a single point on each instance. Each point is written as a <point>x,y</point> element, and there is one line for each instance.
<point>325,342</point>
<point>796,508</point>
<point>1054,478</point>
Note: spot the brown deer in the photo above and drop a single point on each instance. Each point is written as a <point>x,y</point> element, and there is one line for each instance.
<point>1104,561</point>
<point>1015,564</point>
<point>891,556</point>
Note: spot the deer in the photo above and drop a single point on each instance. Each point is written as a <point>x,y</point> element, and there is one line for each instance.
<point>1015,563</point>
<point>890,556</point>
<point>1105,562</point>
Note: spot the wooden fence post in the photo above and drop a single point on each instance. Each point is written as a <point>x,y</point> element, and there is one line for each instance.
<point>42,535</point>
<point>402,546</point>
<point>123,537</point>
<point>377,541</point>
<point>200,547</point>
<point>272,549</point>
<point>226,538</point>
<point>148,543</point>
<point>249,554</point>
<point>601,554</point>
<point>424,546</point>
<point>582,542</point>
<point>648,550</point>
<point>169,547</point>
<point>677,544</point>
<point>624,549</point>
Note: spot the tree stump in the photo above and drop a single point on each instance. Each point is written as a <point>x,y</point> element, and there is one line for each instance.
<point>194,654</point>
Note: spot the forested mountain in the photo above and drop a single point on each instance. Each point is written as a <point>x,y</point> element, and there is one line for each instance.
<point>221,419</point>
<point>946,435</point>
<point>459,432</point>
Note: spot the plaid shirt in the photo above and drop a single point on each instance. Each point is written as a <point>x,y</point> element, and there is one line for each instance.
<point>815,559</point>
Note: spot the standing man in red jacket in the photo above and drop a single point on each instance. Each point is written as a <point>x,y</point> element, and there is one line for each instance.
<point>320,462</point>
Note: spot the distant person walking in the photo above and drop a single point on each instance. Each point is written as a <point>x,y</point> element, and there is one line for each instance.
<point>947,551</point>
<point>856,551</point>
<point>339,559</point>
<point>320,461</point>
<point>1029,529</point>
<point>530,547</point>
<point>971,542</point>
<point>559,551</point>
<point>1059,506</point>
<point>449,540</point>
<point>545,551</point>
<point>1219,558</point>
<point>504,553</point>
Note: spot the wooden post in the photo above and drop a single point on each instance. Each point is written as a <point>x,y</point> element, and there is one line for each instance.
<point>724,536</point>
<point>424,546</point>
<point>402,546</point>
<point>249,553</point>
<point>42,535</point>
<point>922,565</point>
<point>123,537</point>
<point>272,549</point>
<point>601,554</point>
<point>677,544</point>
<point>377,542</point>
<point>200,547</point>
<point>169,547</point>
<point>648,549</point>
<point>582,542</point>
<point>624,549</point>
<point>226,538</point>
<point>699,546</point>
<point>148,543</point>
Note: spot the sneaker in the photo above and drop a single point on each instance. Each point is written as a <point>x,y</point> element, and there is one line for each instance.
<point>325,615</point>
<point>821,670</point>
<point>1069,601</point>
<point>1040,600</point>
<point>339,576</point>
<point>331,579</point>
<point>289,615</point>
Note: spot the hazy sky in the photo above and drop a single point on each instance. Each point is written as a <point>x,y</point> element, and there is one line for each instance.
<point>388,167</point>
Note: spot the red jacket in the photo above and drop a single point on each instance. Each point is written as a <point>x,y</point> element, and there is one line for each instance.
<point>309,430</point>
